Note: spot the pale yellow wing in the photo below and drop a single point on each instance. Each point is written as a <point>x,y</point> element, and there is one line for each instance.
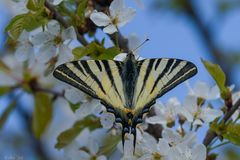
<point>158,76</point>
<point>100,79</point>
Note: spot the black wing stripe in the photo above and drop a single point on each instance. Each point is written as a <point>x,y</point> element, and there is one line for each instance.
<point>64,74</point>
<point>99,65</point>
<point>175,65</point>
<point>167,67</point>
<point>77,65</point>
<point>93,76</point>
<point>156,65</point>
<point>110,76</point>
<point>185,73</point>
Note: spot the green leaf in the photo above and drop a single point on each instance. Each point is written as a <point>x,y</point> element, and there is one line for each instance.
<point>79,52</point>
<point>6,113</point>
<point>74,107</point>
<point>35,5</point>
<point>233,133</point>
<point>109,53</point>
<point>70,134</point>
<point>42,114</point>
<point>3,66</point>
<point>28,21</point>
<point>81,11</point>
<point>218,75</point>
<point>4,90</point>
<point>110,143</point>
<point>95,51</point>
<point>15,27</point>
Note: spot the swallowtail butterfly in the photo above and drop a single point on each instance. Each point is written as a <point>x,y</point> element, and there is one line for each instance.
<point>127,89</point>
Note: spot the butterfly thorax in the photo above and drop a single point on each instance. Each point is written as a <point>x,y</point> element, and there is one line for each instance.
<point>129,75</point>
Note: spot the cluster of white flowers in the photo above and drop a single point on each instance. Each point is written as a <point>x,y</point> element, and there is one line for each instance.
<point>195,113</point>
<point>119,16</point>
<point>40,47</point>
<point>85,146</point>
<point>44,45</point>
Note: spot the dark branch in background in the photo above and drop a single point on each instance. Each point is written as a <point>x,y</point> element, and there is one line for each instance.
<point>120,41</point>
<point>210,134</point>
<point>37,145</point>
<point>208,40</point>
<point>60,19</point>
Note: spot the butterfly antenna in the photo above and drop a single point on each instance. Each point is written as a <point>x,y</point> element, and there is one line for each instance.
<point>140,45</point>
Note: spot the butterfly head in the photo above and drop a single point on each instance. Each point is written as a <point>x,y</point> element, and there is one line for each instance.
<point>130,56</point>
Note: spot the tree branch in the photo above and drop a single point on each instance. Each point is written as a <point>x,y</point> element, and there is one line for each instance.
<point>37,145</point>
<point>210,134</point>
<point>60,19</point>
<point>208,40</point>
<point>119,40</point>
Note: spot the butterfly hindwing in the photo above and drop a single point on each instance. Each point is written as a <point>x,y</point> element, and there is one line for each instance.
<point>157,76</point>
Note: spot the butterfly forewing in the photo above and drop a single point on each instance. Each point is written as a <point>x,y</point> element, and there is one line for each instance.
<point>157,76</point>
<point>100,79</point>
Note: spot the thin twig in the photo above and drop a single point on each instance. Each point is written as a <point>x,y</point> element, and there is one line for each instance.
<point>60,19</point>
<point>210,134</point>
<point>54,93</point>
<point>219,145</point>
<point>120,41</point>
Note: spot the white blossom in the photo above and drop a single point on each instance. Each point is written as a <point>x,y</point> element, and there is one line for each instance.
<point>55,2</point>
<point>24,47</point>
<point>119,16</point>
<point>15,74</point>
<point>52,43</point>
<point>165,114</point>
<point>198,114</point>
<point>88,105</point>
<point>122,57</point>
<point>203,90</point>
<point>182,152</point>
<point>149,149</point>
<point>85,147</point>
<point>107,120</point>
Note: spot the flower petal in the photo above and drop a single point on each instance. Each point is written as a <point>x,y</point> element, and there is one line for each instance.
<point>24,36</point>
<point>69,33</point>
<point>101,158</point>
<point>115,7</point>
<point>93,146</point>
<point>156,120</point>
<point>199,152</point>
<point>171,137</point>
<point>41,38</point>
<point>208,114</point>
<point>54,27</point>
<point>100,18</point>
<point>125,16</point>
<point>74,95</point>
<point>110,29</point>
<point>23,51</point>
<point>107,120</point>
<point>55,2</point>
<point>64,55</point>
<point>46,52</point>
<point>120,57</point>
<point>6,80</point>
<point>163,147</point>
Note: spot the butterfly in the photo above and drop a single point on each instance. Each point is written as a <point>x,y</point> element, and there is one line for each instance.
<point>128,89</point>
